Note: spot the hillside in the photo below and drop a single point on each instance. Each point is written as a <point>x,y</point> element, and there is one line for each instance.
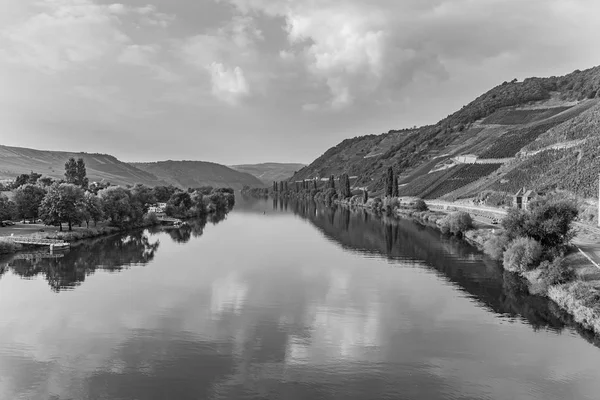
<point>541,132</point>
<point>198,173</point>
<point>269,172</point>
<point>18,160</point>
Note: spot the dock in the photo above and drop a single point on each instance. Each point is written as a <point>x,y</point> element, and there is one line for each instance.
<point>54,244</point>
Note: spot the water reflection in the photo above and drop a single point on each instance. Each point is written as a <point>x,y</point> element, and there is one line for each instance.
<point>399,239</point>
<point>64,271</point>
<point>262,307</point>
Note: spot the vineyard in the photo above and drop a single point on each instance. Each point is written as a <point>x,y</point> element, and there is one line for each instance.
<point>509,144</point>
<point>580,127</point>
<point>527,173</point>
<point>520,117</point>
<point>440,183</point>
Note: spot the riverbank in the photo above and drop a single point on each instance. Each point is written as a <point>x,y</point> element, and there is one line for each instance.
<point>77,234</point>
<point>579,298</point>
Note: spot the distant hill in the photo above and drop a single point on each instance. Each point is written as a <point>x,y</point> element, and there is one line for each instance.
<point>543,133</point>
<point>18,160</point>
<point>198,173</point>
<point>269,172</point>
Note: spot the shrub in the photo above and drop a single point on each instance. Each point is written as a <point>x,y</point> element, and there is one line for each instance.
<point>7,246</point>
<point>457,223</point>
<point>522,254</point>
<point>420,205</point>
<point>556,272</point>
<point>496,245</point>
<point>377,204</point>
<point>390,204</point>
<point>151,219</point>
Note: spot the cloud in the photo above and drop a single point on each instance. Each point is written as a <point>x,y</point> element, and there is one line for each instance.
<point>228,84</point>
<point>223,54</point>
<point>369,49</point>
<point>63,34</point>
<point>139,55</point>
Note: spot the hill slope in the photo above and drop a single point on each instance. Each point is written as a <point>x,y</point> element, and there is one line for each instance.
<point>499,132</point>
<point>198,173</point>
<point>269,172</point>
<point>18,160</point>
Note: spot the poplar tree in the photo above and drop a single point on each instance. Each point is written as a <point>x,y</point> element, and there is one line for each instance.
<point>389,182</point>
<point>365,196</point>
<point>395,192</point>
<point>332,182</point>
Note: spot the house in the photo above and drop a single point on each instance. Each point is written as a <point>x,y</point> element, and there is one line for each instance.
<point>466,159</point>
<point>157,208</point>
<point>523,197</point>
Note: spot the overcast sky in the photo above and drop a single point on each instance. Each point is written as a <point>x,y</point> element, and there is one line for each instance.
<point>240,81</point>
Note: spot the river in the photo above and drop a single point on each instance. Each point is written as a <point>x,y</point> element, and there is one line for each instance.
<point>283,301</point>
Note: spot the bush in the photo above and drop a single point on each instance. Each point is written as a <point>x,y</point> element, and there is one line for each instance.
<point>391,204</point>
<point>496,245</point>
<point>377,204</point>
<point>151,219</point>
<point>420,205</point>
<point>457,223</point>
<point>7,246</point>
<point>556,272</point>
<point>522,255</point>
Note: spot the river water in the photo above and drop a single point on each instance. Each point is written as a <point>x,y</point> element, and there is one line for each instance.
<point>283,301</point>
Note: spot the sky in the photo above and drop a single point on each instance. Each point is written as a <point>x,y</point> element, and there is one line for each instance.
<point>247,81</point>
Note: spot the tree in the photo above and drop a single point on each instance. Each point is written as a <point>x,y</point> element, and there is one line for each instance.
<point>285,186</point>
<point>117,204</point>
<point>62,203</point>
<point>23,179</point>
<point>179,204</point>
<point>549,222</point>
<point>331,182</point>
<point>162,194</point>
<point>142,197</point>
<point>389,182</point>
<point>28,199</point>
<point>522,254</point>
<point>46,181</point>
<point>395,192</point>
<point>315,184</point>
<point>93,209</point>
<point>365,196</point>
<point>345,191</point>
<point>275,186</point>
<point>281,188</point>
<point>8,209</point>
<point>75,172</point>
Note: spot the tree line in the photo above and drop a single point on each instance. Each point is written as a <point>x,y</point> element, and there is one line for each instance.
<point>73,200</point>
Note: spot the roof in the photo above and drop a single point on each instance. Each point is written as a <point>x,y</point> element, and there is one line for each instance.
<point>529,193</point>
<point>520,192</point>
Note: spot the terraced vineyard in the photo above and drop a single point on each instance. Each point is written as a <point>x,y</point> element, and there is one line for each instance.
<point>509,144</point>
<point>440,183</point>
<point>520,117</point>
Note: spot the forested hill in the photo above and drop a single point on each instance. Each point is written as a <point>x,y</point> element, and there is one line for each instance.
<point>198,173</point>
<point>513,126</point>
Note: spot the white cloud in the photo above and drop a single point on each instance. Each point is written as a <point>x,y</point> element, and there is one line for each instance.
<point>223,54</point>
<point>63,34</point>
<point>228,84</point>
<point>140,55</point>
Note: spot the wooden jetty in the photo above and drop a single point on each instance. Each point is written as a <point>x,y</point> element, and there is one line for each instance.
<point>54,244</point>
